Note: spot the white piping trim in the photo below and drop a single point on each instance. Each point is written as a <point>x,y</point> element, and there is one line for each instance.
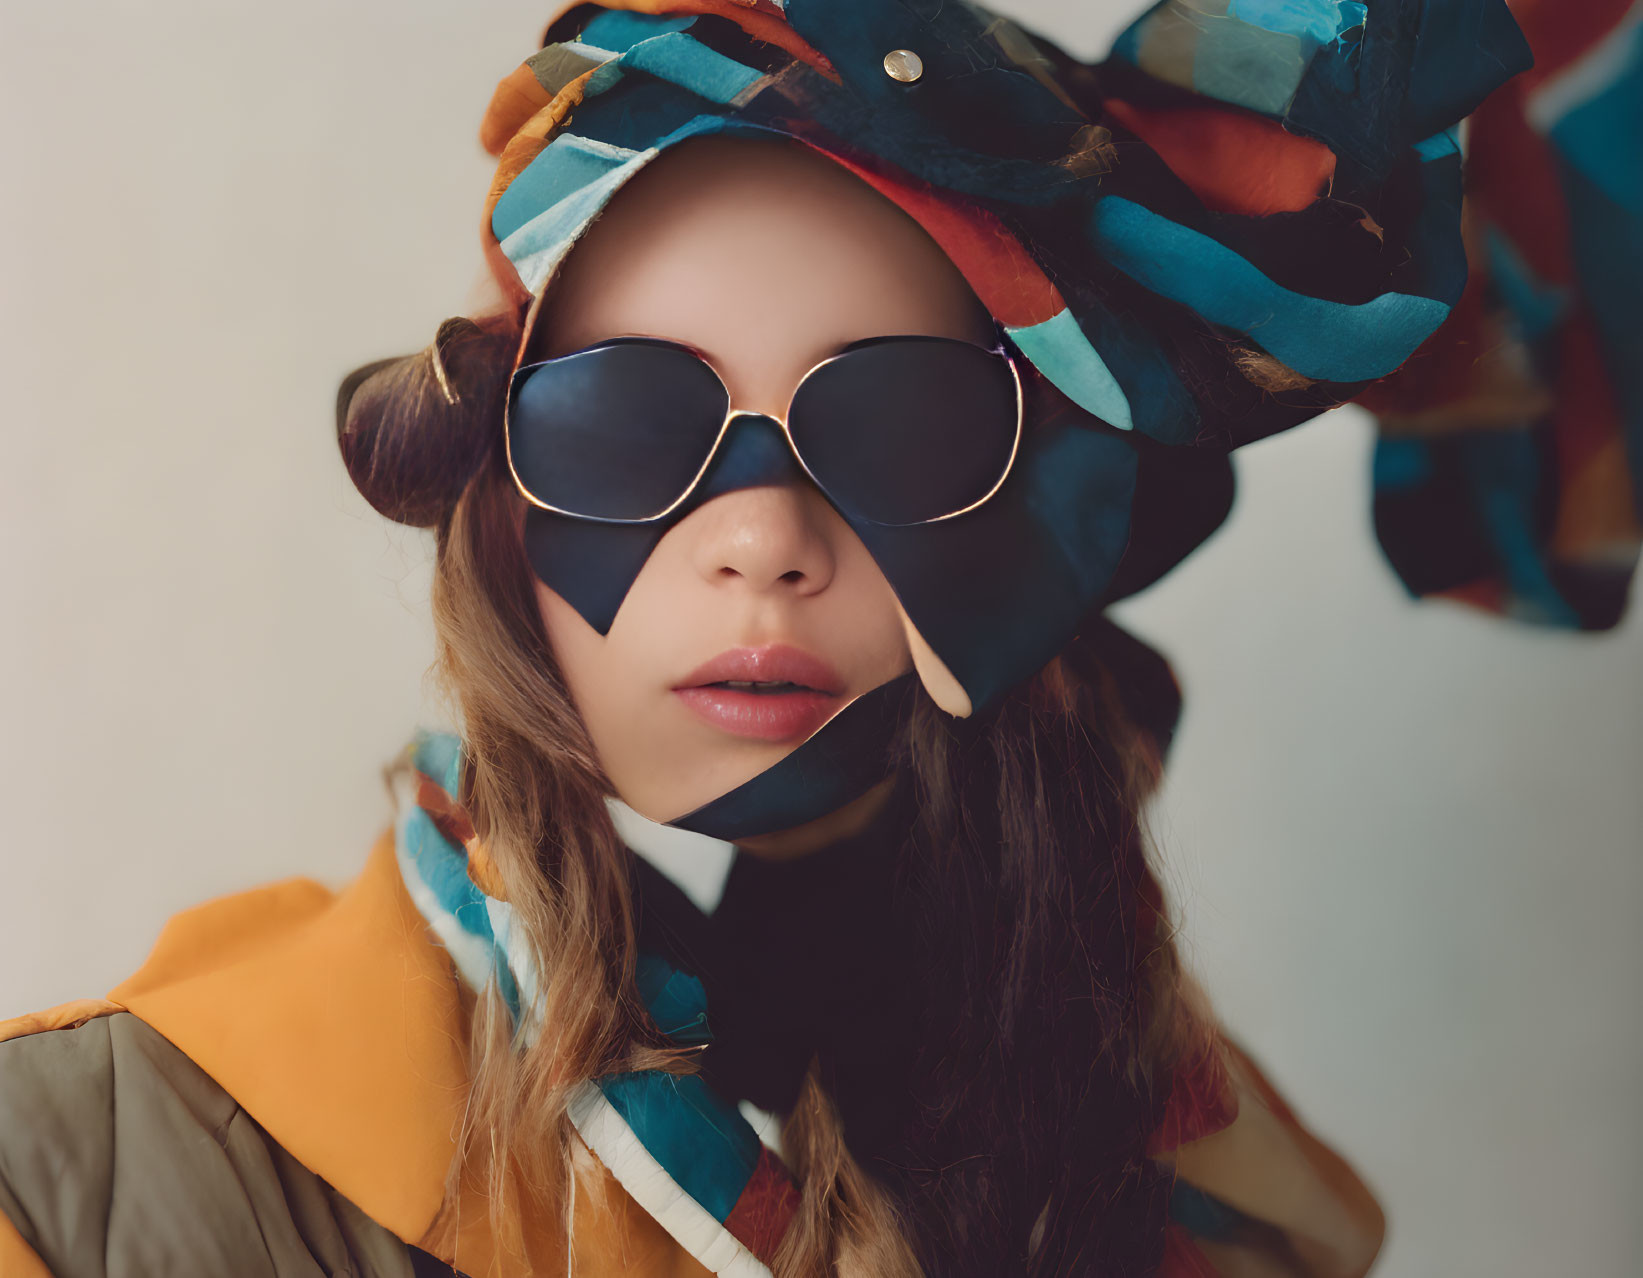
<point>635,1168</point>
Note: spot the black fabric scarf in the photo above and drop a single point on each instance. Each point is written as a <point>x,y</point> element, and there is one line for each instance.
<point>802,959</point>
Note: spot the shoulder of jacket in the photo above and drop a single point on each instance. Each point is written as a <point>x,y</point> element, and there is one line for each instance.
<point>118,1154</point>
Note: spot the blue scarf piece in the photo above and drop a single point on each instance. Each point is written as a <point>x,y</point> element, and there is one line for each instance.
<point>685,1154</point>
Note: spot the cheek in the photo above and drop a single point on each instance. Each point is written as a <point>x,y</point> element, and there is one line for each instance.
<point>620,684</point>
<point>864,627</point>
<point>576,645</point>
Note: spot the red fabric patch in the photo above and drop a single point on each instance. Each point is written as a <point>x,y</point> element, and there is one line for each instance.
<point>760,1218</point>
<point>761,19</point>
<point>1201,1100</point>
<point>1182,1259</point>
<point>1201,1103</point>
<point>1560,32</point>
<point>1004,275</point>
<point>1233,161</point>
<point>1512,178</point>
<point>1488,594</point>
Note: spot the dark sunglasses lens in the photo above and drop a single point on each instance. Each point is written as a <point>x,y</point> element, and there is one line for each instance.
<point>614,432</point>
<point>907,430</point>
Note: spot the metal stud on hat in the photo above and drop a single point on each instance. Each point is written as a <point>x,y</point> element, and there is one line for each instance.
<point>903,65</point>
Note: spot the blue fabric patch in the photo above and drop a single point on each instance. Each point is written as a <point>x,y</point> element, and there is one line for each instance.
<point>1316,21</point>
<point>444,870</point>
<point>1503,475</point>
<point>1251,67</point>
<point>1330,341</point>
<point>619,30</point>
<point>1439,146</point>
<point>680,60</point>
<point>1603,135</point>
<point>565,166</point>
<point>677,1000</point>
<point>703,1143</point>
<point>1607,239</point>
<point>1254,53</point>
<point>537,247</point>
<point>1059,349</point>
<point>1538,307</point>
<point>438,756</point>
<point>1201,1214</point>
<point>443,866</point>
<point>1401,465</point>
<point>606,77</point>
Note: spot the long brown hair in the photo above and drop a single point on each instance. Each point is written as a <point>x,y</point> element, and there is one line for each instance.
<point>1054,1017</point>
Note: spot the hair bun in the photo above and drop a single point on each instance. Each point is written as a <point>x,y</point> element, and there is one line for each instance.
<point>415,429</point>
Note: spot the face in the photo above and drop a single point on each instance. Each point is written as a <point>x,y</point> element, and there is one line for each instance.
<point>767,259</point>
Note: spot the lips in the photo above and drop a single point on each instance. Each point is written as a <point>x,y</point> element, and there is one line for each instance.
<point>775,693</point>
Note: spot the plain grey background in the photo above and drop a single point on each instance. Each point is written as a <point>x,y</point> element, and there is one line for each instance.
<point>1405,839</point>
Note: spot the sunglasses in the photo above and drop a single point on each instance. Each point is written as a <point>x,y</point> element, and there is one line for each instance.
<point>894,430</point>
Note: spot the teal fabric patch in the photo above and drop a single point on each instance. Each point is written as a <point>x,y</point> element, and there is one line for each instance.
<point>1329,341</point>
<point>537,247</point>
<point>1251,67</point>
<point>566,165</point>
<point>1251,53</point>
<point>438,756</point>
<point>619,30</point>
<point>677,1000</point>
<point>1538,307</point>
<point>1059,350</point>
<point>1601,131</point>
<point>1401,465</point>
<point>444,870</point>
<point>1503,473</point>
<point>1440,146</point>
<point>703,1143</point>
<point>680,60</point>
<point>1318,22</point>
<point>1203,1215</point>
<point>605,78</point>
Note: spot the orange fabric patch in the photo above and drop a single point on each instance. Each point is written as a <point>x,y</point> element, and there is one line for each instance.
<point>759,18</point>
<point>64,1016</point>
<point>1233,161</point>
<point>17,1258</point>
<point>518,97</point>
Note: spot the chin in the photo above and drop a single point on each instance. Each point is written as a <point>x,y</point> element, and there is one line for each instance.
<point>715,773</point>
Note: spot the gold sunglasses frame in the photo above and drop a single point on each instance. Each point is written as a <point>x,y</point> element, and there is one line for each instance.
<point>1000,348</point>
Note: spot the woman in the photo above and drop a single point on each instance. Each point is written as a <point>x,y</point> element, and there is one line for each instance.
<point>781,507</point>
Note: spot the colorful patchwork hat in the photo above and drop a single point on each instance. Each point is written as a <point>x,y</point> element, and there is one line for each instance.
<point>1245,215</point>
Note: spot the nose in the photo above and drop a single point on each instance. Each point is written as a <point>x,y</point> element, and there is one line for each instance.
<point>764,538</point>
<point>764,525</point>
